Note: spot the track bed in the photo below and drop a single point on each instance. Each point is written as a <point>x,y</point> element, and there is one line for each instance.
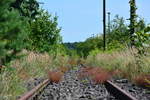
<point>72,88</point>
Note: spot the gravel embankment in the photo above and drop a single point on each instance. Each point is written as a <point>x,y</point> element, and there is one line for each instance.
<point>71,88</point>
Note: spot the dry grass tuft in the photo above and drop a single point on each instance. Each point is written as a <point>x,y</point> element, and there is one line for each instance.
<point>143,80</point>
<point>23,75</point>
<point>55,76</point>
<point>73,62</point>
<point>101,77</point>
<point>97,74</point>
<point>63,69</point>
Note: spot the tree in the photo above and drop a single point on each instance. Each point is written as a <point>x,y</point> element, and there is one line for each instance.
<point>119,34</point>
<point>142,38</point>
<point>27,8</point>
<point>44,35</point>
<point>92,43</point>
<point>12,32</point>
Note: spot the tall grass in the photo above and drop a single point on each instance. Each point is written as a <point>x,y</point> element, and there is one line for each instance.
<point>33,65</point>
<point>124,63</point>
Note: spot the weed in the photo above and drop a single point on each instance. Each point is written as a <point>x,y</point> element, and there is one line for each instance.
<point>97,74</point>
<point>101,77</point>
<point>55,76</point>
<point>142,80</point>
<point>63,69</point>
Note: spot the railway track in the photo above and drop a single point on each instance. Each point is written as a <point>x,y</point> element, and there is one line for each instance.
<point>73,89</point>
<point>112,88</point>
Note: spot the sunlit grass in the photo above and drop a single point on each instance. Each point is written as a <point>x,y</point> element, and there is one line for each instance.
<point>33,65</point>
<point>123,63</point>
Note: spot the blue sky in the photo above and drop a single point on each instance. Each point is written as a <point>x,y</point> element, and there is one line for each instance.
<point>80,19</point>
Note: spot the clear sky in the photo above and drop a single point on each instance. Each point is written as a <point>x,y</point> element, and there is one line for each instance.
<point>80,19</point>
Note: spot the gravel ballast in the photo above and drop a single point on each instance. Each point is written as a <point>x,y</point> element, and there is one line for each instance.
<point>136,91</point>
<point>72,88</point>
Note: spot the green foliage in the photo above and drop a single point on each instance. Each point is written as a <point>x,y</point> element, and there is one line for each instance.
<point>24,26</point>
<point>84,48</point>
<point>115,45</point>
<point>133,23</point>
<point>44,35</point>
<point>94,52</point>
<point>27,8</point>
<point>13,32</point>
<point>117,39</point>
<point>119,34</point>
<point>71,53</point>
<point>142,39</point>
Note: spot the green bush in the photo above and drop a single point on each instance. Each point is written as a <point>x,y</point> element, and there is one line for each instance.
<point>44,35</point>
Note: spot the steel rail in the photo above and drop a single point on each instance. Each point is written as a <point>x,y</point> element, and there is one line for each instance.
<point>29,94</point>
<point>118,92</point>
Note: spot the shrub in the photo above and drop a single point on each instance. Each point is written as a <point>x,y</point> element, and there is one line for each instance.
<point>44,35</point>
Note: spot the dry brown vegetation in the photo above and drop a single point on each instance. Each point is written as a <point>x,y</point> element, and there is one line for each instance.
<point>55,76</point>
<point>63,69</point>
<point>97,74</point>
<point>143,80</point>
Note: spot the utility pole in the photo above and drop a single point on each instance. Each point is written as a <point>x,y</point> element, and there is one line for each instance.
<point>108,22</point>
<point>104,24</point>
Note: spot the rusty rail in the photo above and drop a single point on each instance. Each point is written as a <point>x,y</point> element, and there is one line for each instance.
<point>118,92</point>
<point>29,94</point>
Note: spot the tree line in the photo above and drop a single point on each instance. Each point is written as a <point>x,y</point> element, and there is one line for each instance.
<point>118,38</point>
